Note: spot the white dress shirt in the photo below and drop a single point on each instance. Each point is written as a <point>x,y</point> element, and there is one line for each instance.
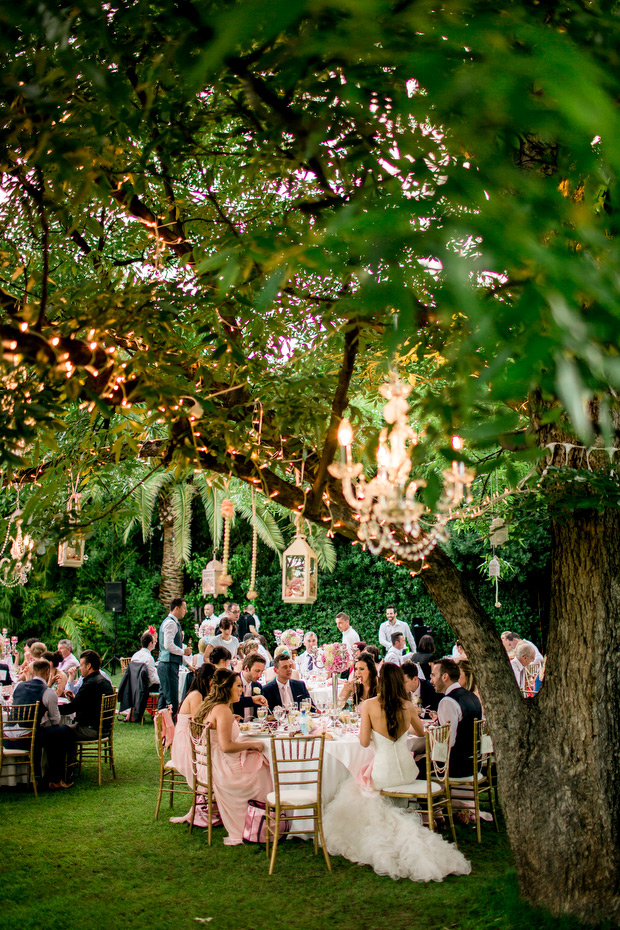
<point>519,671</point>
<point>394,656</point>
<point>306,664</point>
<point>399,626</point>
<point>350,637</point>
<point>286,695</point>
<point>145,657</point>
<point>449,711</point>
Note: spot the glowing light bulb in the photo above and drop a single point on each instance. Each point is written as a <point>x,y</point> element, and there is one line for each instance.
<point>457,443</point>
<point>345,433</point>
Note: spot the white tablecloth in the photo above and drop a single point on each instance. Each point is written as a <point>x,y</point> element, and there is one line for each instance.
<point>322,690</point>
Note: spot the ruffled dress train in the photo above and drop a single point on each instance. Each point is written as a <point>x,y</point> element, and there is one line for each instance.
<point>365,827</point>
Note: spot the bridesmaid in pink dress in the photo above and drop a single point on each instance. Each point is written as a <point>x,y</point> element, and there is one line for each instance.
<point>181,753</point>
<point>240,770</point>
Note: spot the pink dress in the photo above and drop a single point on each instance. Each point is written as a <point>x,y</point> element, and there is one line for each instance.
<point>181,752</point>
<point>238,777</point>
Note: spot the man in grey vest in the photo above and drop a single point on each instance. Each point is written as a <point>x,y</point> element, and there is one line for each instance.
<point>171,652</point>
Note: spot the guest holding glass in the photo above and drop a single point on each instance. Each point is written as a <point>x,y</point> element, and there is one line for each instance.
<point>364,683</point>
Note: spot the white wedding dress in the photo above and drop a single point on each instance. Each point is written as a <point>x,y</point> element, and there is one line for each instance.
<point>364,827</point>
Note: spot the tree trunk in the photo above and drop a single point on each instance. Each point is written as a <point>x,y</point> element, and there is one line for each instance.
<point>558,771</point>
<point>171,584</point>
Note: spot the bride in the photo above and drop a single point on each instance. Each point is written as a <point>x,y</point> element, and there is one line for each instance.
<point>390,839</point>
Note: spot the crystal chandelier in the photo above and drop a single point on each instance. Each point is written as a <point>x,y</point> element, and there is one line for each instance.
<point>15,567</point>
<point>390,513</point>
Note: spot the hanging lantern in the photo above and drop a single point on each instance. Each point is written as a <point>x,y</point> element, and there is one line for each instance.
<point>71,551</point>
<point>299,572</point>
<point>212,579</point>
<point>498,532</point>
<point>495,572</point>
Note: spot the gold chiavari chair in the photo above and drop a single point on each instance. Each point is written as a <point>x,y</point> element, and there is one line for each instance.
<point>200,736</point>
<point>435,789</point>
<point>480,785</point>
<point>297,767</point>
<point>168,774</point>
<point>23,718</point>
<point>101,748</point>
<point>125,660</point>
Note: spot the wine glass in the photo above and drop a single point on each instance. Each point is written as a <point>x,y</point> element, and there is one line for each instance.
<point>279,713</point>
<point>261,713</point>
<point>354,719</point>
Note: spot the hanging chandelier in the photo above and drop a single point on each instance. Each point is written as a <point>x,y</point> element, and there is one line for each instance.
<point>15,567</point>
<point>390,513</point>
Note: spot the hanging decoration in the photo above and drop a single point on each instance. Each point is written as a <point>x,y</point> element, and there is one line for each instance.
<point>227,509</point>
<point>299,570</point>
<point>498,532</point>
<point>389,502</point>
<point>71,550</point>
<point>15,567</point>
<point>253,593</point>
<point>212,579</point>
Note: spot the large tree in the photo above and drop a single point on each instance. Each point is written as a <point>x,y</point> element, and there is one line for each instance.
<point>220,224</point>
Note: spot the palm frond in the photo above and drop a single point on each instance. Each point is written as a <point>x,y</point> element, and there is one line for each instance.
<point>69,624</point>
<point>324,548</point>
<point>182,495</point>
<point>266,524</point>
<point>211,498</point>
<point>144,499</point>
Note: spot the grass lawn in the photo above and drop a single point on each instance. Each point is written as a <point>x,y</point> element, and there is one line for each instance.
<point>95,858</point>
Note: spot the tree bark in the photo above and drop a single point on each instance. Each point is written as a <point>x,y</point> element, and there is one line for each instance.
<point>171,584</point>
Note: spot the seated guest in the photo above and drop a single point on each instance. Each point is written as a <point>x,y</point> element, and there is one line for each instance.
<point>374,652</point>
<point>524,655</point>
<point>267,655</point>
<point>220,657</point>
<point>424,656</point>
<point>306,662</point>
<point>27,662</point>
<point>512,640</point>
<point>284,691</point>
<point>54,737</point>
<point>364,683</point>
<point>86,705</point>
<point>181,752</point>
<point>394,655</point>
<point>419,690</point>
<point>459,708</point>
<point>240,770</point>
<point>253,643</point>
<point>225,639</point>
<point>65,648</point>
<point>252,697</point>
<point>270,673</point>
<point>144,656</point>
<point>199,657</point>
<point>57,679</point>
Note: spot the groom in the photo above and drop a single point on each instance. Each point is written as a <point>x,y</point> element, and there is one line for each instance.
<point>284,690</point>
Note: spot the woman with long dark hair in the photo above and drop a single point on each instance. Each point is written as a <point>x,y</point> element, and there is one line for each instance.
<point>364,683</point>
<point>240,771</point>
<point>181,752</point>
<point>390,839</point>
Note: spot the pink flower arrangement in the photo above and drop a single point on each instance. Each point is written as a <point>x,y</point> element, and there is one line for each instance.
<point>335,657</point>
<point>292,638</point>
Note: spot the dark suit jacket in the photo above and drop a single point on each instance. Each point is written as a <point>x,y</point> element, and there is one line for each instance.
<point>272,692</point>
<point>428,695</point>
<point>240,705</point>
<point>86,705</point>
<point>133,691</point>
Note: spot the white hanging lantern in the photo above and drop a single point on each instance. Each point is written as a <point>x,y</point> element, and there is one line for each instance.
<point>495,570</point>
<point>71,550</point>
<point>299,572</point>
<point>212,577</point>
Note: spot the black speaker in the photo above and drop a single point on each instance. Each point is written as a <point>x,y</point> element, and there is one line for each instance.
<point>115,596</point>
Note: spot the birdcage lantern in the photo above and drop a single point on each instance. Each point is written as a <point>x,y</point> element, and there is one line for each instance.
<point>71,551</point>
<point>299,572</point>
<point>498,532</point>
<point>212,577</point>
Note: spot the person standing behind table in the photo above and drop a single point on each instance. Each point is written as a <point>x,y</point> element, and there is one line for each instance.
<point>349,635</point>
<point>86,705</point>
<point>248,622</point>
<point>459,708</point>
<point>225,639</point>
<point>171,652</point>
<point>209,620</point>
<point>394,655</point>
<point>393,625</point>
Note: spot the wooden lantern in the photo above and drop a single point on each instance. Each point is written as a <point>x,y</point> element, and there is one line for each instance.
<point>71,551</point>
<point>212,578</point>
<point>299,573</point>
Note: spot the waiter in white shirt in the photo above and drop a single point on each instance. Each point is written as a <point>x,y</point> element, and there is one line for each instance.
<point>394,655</point>
<point>349,635</point>
<point>393,625</point>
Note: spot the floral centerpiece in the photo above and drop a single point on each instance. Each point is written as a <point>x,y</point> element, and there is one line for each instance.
<point>335,658</point>
<point>292,639</point>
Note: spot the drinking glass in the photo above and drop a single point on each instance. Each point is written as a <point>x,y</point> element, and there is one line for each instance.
<point>279,713</point>
<point>261,713</point>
